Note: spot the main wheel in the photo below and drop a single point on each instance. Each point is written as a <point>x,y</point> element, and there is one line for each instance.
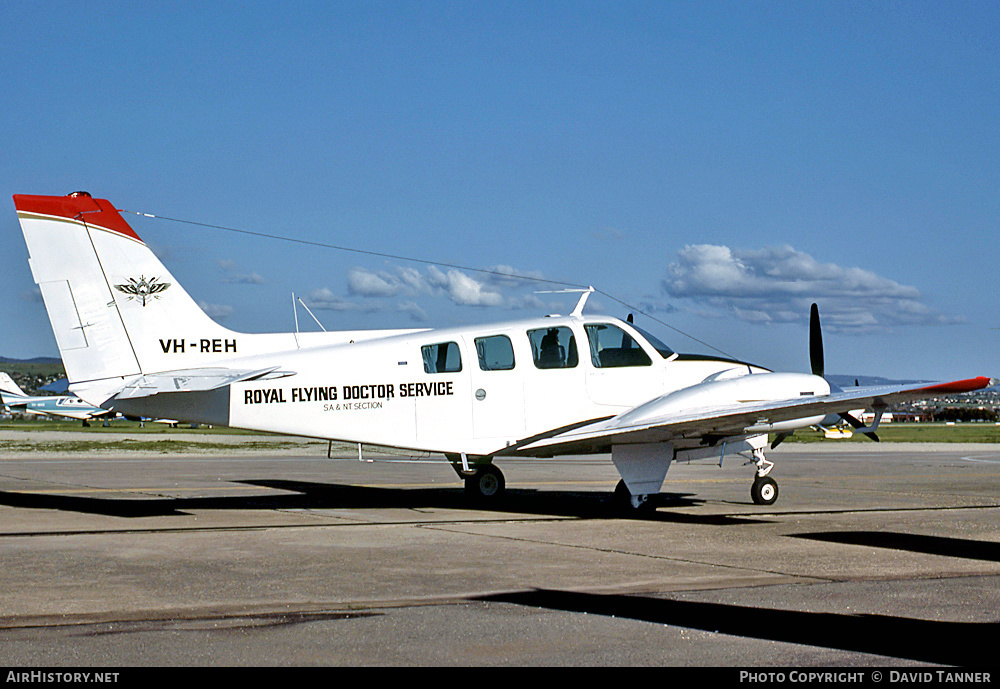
<point>764,490</point>
<point>621,499</point>
<point>487,485</point>
<point>623,502</point>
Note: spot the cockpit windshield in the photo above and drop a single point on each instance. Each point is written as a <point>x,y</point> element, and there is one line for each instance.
<point>658,345</point>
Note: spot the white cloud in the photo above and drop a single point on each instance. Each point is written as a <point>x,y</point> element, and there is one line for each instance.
<point>218,312</point>
<point>484,290</point>
<point>364,283</point>
<point>416,313</point>
<point>231,276</point>
<point>409,292</point>
<point>463,289</point>
<point>245,279</point>
<point>325,299</point>
<point>777,284</point>
<point>509,276</point>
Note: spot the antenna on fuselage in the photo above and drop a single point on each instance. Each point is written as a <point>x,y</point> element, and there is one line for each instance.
<point>295,312</point>
<point>578,309</point>
<point>311,314</point>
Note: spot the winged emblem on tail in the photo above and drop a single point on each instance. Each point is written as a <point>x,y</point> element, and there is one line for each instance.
<point>143,289</point>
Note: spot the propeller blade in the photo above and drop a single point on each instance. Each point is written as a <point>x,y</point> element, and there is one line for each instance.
<point>818,365</point>
<point>815,342</point>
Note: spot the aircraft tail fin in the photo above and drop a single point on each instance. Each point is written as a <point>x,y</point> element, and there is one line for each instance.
<point>10,392</point>
<point>116,311</point>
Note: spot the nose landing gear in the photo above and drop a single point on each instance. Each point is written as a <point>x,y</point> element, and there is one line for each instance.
<point>764,490</point>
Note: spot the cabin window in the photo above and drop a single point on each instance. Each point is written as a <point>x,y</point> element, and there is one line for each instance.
<point>495,353</point>
<point>612,347</point>
<point>553,347</point>
<point>441,358</point>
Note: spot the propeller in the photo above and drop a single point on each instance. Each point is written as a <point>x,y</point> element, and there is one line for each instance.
<point>818,369</point>
<point>815,342</point>
<point>818,366</point>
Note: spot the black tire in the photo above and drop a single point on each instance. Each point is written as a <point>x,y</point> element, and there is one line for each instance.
<point>621,501</point>
<point>764,490</point>
<point>486,486</point>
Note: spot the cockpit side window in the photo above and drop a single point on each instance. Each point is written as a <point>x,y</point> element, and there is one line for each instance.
<point>495,353</point>
<point>612,347</point>
<point>656,343</point>
<point>553,347</point>
<point>441,358</point>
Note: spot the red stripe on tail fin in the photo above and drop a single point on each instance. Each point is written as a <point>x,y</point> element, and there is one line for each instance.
<point>79,206</point>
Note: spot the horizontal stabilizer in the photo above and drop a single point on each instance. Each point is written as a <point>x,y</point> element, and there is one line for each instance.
<point>194,380</point>
<point>11,391</point>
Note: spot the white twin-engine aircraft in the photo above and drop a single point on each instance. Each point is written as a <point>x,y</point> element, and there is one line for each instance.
<point>133,341</point>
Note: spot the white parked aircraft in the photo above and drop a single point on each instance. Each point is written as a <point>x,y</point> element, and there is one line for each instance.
<point>133,341</point>
<point>69,406</point>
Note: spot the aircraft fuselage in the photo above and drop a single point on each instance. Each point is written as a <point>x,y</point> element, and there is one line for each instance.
<point>476,389</point>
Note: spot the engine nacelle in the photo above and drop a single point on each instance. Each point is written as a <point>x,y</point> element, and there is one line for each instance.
<point>760,387</point>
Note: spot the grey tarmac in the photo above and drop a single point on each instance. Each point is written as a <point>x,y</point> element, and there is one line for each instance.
<point>272,554</point>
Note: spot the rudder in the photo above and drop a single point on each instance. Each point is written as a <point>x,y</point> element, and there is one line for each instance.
<point>115,310</point>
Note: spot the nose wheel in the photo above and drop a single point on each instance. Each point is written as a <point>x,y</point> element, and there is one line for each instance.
<point>764,490</point>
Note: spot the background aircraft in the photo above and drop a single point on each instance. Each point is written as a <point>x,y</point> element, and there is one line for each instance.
<point>69,406</point>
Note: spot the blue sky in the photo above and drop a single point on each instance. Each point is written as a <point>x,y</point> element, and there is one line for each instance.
<point>717,166</point>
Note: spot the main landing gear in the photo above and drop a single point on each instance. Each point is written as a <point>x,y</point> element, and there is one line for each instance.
<point>484,483</point>
<point>625,503</point>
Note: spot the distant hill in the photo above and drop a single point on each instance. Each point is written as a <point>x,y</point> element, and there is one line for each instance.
<point>846,381</point>
<point>36,360</point>
<point>33,374</point>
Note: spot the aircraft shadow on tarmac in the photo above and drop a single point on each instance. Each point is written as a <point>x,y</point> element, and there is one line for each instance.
<point>316,496</point>
<point>928,641</point>
<point>914,543</point>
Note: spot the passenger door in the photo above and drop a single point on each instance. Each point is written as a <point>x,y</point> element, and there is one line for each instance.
<point>497,388</point>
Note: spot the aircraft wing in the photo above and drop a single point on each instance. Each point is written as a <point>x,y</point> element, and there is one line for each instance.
<point>646,424</point>
<point>79,414</point>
